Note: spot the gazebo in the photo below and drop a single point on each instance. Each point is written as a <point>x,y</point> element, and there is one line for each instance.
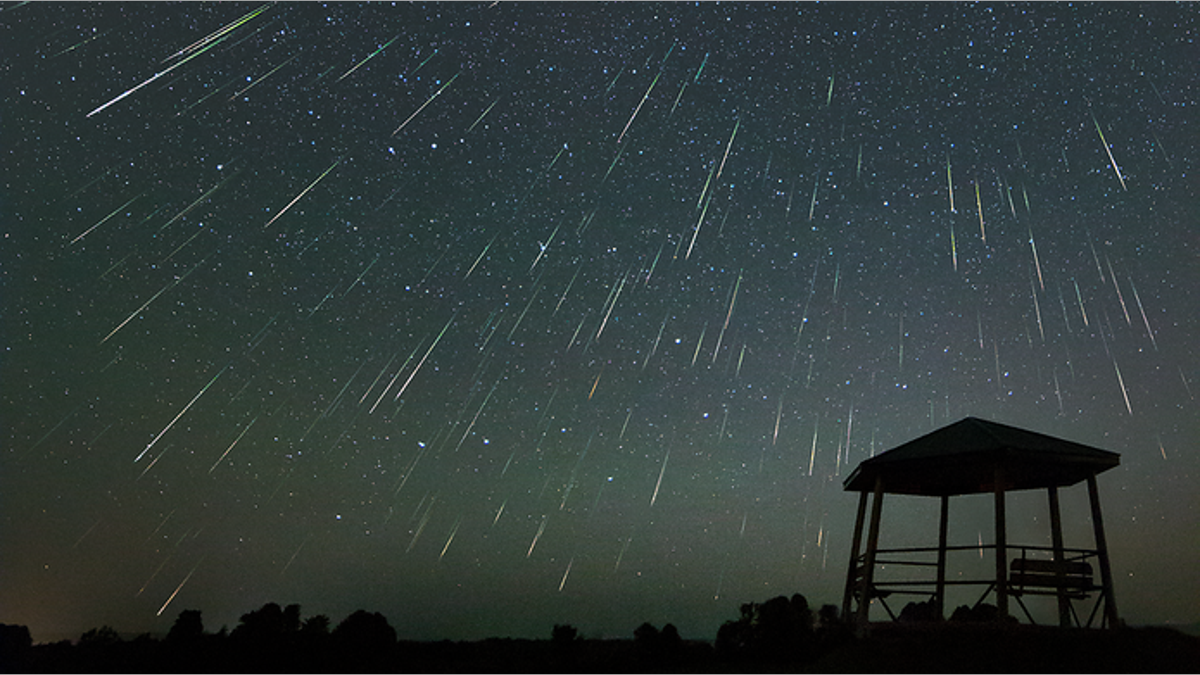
<point>975,456</point>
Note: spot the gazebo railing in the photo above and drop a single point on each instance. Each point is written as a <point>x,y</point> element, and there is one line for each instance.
<point>1036,574</point>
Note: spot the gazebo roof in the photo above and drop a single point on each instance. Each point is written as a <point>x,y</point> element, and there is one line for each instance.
<point>962,458</point>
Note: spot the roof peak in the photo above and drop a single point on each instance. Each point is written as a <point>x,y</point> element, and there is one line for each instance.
<point>964,458</point>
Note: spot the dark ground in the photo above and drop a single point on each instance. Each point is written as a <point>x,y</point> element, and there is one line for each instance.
<point>960,648</point>
<point>890,648</point>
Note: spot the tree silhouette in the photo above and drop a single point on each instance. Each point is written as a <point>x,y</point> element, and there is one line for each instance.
<point>315,625</point>
<point>654,647</point>
<point>15,645</point>
<point>920,612</point>
<point>101,649</point>
<point>264,625</point>
<point>102,637</point>
<point>646,636</point>
<point>779,629</point>
<point>647,642</point>
<point>187,629</point>
<point>186,645</point>
<point>365,630</point>
<point>829,616</point>
<point>564,640</point>
<point>733,637</point>
<point>265,639</point>
<point>364,641</point>
<point>291,619</point>
<point>832,630</point>
<point>669,638</point>
<point>564,634</point>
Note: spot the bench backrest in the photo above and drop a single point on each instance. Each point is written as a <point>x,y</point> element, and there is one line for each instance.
<point>1033,567</point>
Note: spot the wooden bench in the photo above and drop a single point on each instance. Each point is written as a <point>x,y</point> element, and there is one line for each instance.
<point>1040,577</point>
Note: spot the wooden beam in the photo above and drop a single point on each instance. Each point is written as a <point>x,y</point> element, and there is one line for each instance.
<point>864,591</point>
<point>1106,580</point>
<point>1060,574</point>
<point>1001,545</point>
<point>855,547</point>
<point>943,524</point>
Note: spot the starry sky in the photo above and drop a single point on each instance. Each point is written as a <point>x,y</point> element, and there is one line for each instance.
<point>494,316</point>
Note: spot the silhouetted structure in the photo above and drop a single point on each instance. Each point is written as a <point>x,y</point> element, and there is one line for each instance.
<point>974,456</point>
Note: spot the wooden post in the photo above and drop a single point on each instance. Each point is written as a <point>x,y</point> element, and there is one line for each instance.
<point>940,598</point>
<point>855,547</point>
<point>1001,545</point>
<point>1056,541</point>
<point>1106,580</point>
<point>864,591</point>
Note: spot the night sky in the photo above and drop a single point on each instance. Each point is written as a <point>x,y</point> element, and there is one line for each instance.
<point>494,316</point>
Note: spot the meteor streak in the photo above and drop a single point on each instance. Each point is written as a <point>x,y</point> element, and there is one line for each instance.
<point>1141,309</point>
<point>360,276</point>
<point>302,193</point>
<point>154,297</point>
<point>181,413</point>
<point>662,471</point>
<point>953,248</point>
<point>565,574</point>
<point>394,377</point>
<point>199,200</point>
<point>700,220</point>
<point>106,218</point>
<point>453,531</point>
<point>1037,309</point>
<point>812,456</point>
<point>1037,263</point>
<point>541,529</point>
<point>1110,155</point>
<point>481,254</point>
<point>678,98</point>
<point>260,79</point>
<point>435,95</point>
<point>373,54</point>
<point>1124,391</point>
<point>613,304</point>
<point>812,205</point>
<point>732,301</point>
<point>422,362</point>
<point>639,107</point>
<point>178,588</point>
<point>216,38</point>
<point>950,184</point>
<point>235,442</point>
<point>729,146</point>
<point>482,115</point>
<point>979,206</point>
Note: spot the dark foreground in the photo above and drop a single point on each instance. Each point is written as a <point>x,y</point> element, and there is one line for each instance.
<point>951,648</point>
<point>890,648</point>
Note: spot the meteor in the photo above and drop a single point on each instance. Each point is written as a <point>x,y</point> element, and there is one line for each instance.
<point>302,193</point>
<point>430,100</point>
<point>214,38</point>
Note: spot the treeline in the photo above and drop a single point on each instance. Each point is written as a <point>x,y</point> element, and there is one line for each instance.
<point>268,639</point>
<point>279,639</point>
<point>779,635</point>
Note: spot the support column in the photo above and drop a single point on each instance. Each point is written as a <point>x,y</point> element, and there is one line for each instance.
<point>864,591</point>
<point>855,547</point>
<point>1106,580</point>
<point>1060,577</point>
<point>1001,545</point>
<point>940,598</point>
